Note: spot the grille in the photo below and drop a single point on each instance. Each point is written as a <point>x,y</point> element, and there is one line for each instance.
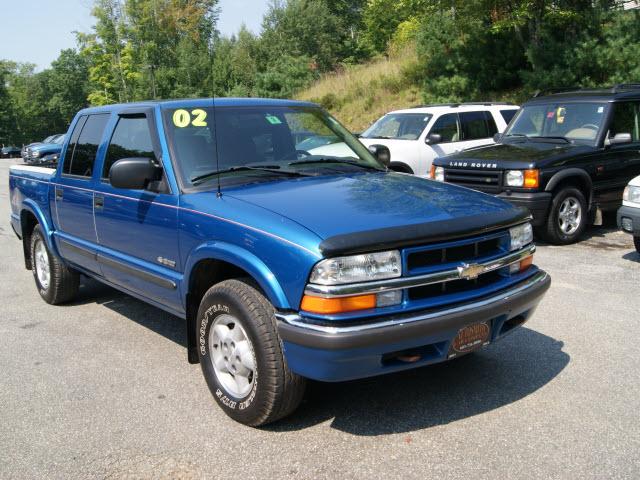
<point>484,180</point>
<point>455,286</point>
<point>454,253</point>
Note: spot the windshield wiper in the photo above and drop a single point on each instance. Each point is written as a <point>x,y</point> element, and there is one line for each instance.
<point>333,160</point>
<point>518,135</point>
<point>554,137</point>
<point>270,169</point>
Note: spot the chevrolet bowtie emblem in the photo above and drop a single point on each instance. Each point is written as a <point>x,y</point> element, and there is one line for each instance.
<point>470,272</point>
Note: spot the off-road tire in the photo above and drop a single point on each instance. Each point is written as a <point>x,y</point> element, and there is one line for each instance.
<point>64,282</point>
<point>276,390</point>
<point>551,231</point>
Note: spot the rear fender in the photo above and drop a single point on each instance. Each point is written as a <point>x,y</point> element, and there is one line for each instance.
<point>31,206</point>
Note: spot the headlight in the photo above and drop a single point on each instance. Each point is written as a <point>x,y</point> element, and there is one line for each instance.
<point>438,174</point>
<point>520,236</point>
<point>35,154</point>
<point>631,194</point>
<point>514,178</point>
<point>522,178</point>
<point>357,268</point>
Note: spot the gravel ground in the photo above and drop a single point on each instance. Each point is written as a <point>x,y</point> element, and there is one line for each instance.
<point>101,389</point>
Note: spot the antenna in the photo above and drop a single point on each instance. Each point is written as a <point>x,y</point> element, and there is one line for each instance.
<point>213,115</point>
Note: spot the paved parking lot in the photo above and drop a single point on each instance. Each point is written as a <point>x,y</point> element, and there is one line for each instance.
<point>101,388</point>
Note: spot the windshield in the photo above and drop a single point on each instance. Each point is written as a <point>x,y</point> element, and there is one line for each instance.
<point>576,122</point>
<point>260,144</point>
<point>59,140</point>
<point>400,126</point>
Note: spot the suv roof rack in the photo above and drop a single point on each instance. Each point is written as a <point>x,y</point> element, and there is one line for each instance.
<point>620,87</point>
<point>461,104</point>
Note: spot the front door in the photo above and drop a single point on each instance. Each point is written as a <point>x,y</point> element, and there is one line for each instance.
<point>138,229</point>
<point>618,164</point>
<point>73,193</point>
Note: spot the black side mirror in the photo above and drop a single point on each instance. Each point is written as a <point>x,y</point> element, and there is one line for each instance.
<point>134,173</point>
<point>619,139</point>
<point>382,153</point>
<point>433,138</point>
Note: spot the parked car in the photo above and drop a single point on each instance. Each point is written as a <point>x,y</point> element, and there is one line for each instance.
<point>285,265</point>
<point>10,152</point>
<point>418,135</point>
<point>45,153</point>
<point>629,212</point>
<point>49,139</point>
<point>566,156</point>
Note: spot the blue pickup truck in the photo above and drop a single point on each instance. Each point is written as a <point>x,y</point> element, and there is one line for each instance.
<point>286,264</point>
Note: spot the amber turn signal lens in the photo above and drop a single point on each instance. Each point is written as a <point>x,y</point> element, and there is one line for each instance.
<point>337,305</point>
<point>526,263</point>
<point>531,178</point>
<point>432,172</point>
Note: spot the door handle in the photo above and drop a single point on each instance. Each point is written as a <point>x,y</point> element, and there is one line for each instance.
<point>98,201</point>
<point>59,193</point>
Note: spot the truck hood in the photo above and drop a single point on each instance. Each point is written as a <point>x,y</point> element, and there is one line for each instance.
<point>46,148</point>
<point>377,210</point>
<point>517,154</point>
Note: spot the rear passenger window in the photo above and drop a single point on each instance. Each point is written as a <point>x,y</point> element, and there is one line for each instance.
<point>84,155</point>
<point>474,125</point>
<point>131,138</point>
<point>447,127</point>
<point>626,119</point>
<point>68,156</point>
<point>508,114</point>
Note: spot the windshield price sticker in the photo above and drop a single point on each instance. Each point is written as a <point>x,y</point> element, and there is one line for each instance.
<point>197,118</point>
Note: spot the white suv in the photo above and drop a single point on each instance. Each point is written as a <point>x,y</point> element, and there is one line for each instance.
<point>416,136</point>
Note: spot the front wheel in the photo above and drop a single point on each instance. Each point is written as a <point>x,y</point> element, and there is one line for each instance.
<point>636,242</point>
<point>241,355</point>
<point>567,217</point>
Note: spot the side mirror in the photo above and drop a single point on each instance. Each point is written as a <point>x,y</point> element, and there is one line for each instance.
<point>382,153</point>
<point>134,173</point>
<point>497,137</point>
<point>433,139</point>
<point>619,139</point>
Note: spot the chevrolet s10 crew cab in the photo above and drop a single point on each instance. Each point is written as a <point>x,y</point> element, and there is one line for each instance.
<point>286,264</point>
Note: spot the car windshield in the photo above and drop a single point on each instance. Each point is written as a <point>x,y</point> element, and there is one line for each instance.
<point>48,139</point>
<point>59,140</point>
<point>400,126</point>
<point>578,122</point>
<point>260,144</point>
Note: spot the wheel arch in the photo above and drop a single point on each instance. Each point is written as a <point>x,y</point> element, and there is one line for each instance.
<point>214,262</point>
<point>572,176</point>
<point>401,167</point>
<point>30,216</point>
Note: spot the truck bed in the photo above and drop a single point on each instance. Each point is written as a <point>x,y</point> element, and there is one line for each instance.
<point>29,188</point>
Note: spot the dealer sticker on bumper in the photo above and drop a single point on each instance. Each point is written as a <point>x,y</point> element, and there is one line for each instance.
<point>470,338</point>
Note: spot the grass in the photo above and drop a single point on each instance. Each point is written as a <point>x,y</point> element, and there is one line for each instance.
<point>357,95</point>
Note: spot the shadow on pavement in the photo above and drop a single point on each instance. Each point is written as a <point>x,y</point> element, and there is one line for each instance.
<point>434,395</point>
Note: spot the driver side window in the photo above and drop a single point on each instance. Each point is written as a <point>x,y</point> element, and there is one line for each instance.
<point>447,127</point>
<point>626,119</point>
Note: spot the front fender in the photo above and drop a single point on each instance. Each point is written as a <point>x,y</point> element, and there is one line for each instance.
<point>243,259</point>
<point>33,207</point>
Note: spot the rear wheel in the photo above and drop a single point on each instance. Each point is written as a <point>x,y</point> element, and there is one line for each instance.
<point>636,242</point>
<point>567,217</point>
<point>241,355</point>
<point>56,282</point>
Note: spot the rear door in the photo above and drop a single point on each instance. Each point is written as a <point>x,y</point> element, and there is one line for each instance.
<point>73,193</point>
<point>138,229</point>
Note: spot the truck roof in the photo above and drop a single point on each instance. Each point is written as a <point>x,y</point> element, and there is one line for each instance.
<point>202,102</point>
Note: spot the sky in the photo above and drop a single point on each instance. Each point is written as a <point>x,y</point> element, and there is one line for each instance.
<point>35,31</point>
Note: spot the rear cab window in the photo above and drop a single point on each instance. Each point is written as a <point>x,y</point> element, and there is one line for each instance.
<point>83,146</point>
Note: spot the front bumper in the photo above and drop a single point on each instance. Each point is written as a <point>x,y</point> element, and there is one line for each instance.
<point>633,215</point>
<point>338,353</point>
<point>536,202</point>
